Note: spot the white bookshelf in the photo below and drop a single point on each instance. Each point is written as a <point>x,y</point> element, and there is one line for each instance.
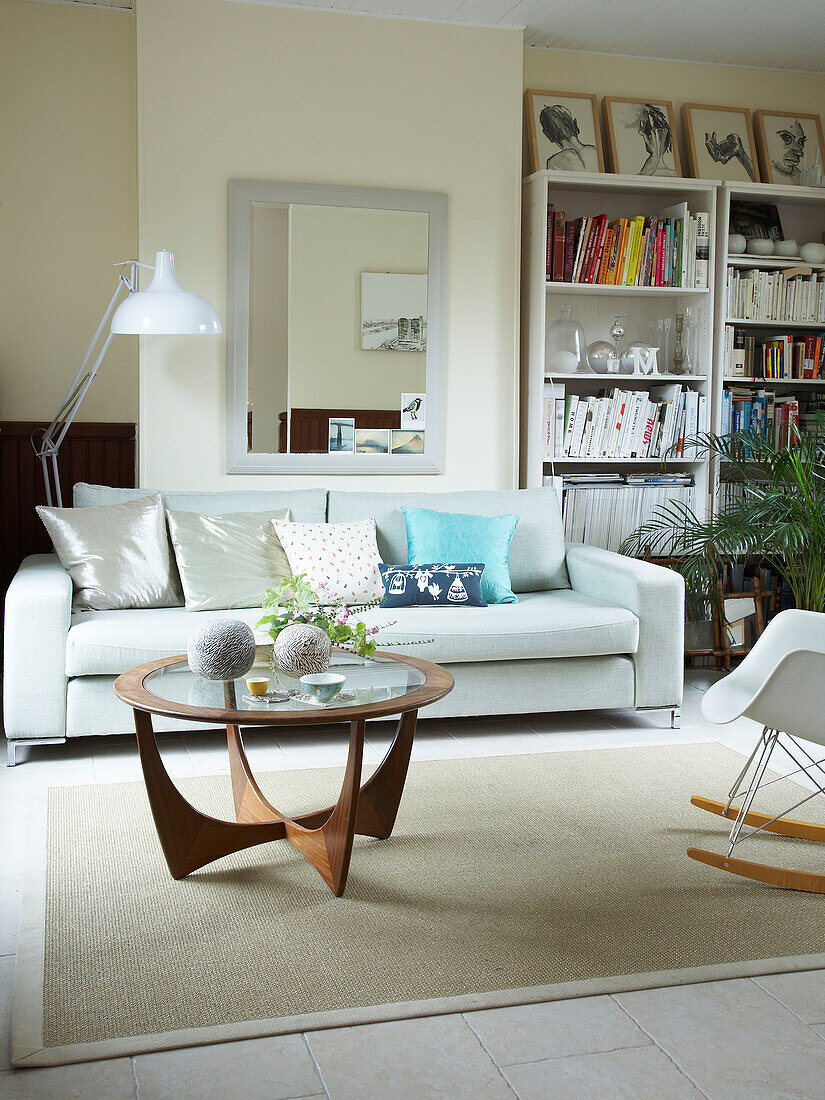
<point>593,305</point>
<point>802,213</point>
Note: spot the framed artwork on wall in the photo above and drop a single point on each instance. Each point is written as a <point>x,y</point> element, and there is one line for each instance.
<point>791,148</point>
<point>641,138</point>
<point>563,131</point>
<point>720,143</point>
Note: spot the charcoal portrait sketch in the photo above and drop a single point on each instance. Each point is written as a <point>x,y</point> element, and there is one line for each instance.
<point>563,131</point>
<point>720,142</point>
<point>640,137</point>
<point>790,146</point>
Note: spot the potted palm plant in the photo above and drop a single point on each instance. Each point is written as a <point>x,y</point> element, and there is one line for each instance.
<point>776,514</point>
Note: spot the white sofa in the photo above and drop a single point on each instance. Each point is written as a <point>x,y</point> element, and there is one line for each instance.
<point>612,636</point>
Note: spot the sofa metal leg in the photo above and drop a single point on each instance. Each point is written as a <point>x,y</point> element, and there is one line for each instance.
<point>674,712</point>
<point>14,743</point>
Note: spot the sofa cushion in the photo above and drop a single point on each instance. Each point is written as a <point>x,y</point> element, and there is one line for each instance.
<point>537,547</point>
<point>305,505</point>
<point>110,642</point>
<point>561,623</point>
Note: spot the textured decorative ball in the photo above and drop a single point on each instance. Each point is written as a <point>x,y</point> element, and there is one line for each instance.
<point>302,649</point>
<point>221,649</point>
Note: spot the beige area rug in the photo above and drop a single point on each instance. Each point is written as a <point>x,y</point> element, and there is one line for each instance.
<point>508,879</point>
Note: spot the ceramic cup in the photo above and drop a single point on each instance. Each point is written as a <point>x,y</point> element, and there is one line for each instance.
<point>759,246</point>
<point>322,686</point>
<point>257,684</point>
<point>786,248</point>
<point>737,243</point>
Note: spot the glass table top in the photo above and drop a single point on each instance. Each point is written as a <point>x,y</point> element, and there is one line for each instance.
<point>368,680</point>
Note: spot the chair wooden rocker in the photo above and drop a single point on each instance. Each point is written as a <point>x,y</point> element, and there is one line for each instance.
<point>781,685</point>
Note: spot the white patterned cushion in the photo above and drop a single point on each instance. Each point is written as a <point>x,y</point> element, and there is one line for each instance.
<point>340,560</point>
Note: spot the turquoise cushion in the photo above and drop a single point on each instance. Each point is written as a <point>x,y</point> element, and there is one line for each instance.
<point>454,536</point>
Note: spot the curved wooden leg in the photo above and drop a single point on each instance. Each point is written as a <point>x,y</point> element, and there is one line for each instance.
<point>250,803</point>
<point>381,794</point>
<point>189,838</point>
<point>784,826</point>
<point>329,847</point>
<point>762,872</point>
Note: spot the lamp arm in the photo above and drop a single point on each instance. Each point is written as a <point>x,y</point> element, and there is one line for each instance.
<point>54,435</point>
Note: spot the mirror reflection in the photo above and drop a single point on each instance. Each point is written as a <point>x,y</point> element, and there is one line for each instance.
<point>337,330</point>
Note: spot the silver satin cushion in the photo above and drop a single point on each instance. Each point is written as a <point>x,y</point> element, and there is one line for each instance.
<point>118,555</point>
<point>227,561</point>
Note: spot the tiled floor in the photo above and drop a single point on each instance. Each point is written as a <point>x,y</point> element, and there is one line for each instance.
<point>754,1039</point>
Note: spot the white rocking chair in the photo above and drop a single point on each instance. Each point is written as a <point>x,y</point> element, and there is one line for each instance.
<point>781,685</point>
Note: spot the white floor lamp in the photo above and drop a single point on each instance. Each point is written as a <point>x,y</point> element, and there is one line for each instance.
<point>164,308</point>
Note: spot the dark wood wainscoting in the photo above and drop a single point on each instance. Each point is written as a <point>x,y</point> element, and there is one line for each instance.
<point>103,454</point>
<point>310,427</point>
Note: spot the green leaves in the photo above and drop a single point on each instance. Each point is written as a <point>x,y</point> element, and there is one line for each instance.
<point>295,601</point>
<point>779,518</point>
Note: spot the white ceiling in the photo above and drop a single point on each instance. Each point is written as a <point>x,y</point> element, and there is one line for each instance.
<point>775,34</point>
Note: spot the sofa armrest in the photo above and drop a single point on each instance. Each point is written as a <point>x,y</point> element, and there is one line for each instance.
<point>38,616</point>
<point>656,596</point>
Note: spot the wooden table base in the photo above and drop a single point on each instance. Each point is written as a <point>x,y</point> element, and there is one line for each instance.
<point>191,839</point>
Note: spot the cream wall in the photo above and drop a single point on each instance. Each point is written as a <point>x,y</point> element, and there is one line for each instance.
<point>68,203</point>
<point>680,82</point>
<point>257,92</point>
<point>330,248</point>
<point>268,321</point>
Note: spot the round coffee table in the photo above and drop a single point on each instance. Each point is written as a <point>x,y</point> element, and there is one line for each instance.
<point>375,687</point>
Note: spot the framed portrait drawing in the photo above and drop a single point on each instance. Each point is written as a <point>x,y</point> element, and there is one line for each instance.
<point>563,131</point>
<point>791,149</point>
<point>720,143</point>
<point>641,138</point>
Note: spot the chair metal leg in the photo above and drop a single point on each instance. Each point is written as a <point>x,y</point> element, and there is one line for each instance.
<point>781,823</point>
<point>676,718</point>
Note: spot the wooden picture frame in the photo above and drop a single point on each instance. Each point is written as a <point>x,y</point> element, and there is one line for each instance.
<point>785,160</point>
<point>563,131</point>
<point>641,136</point>
<point>726,149</point>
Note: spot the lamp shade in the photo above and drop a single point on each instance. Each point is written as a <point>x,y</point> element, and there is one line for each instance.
<point>165,308</point>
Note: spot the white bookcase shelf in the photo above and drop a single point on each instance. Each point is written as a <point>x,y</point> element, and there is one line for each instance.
<point>802,213</point>
<point>750,322</point>
<point>578,195</point>
<point>619,291</point>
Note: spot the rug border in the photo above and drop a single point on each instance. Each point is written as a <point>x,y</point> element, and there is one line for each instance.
<point>27,1049</point>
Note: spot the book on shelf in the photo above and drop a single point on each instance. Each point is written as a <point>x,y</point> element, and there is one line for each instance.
<point>605,514</point>
<point>793,294</point>
<point>670,248</point>
<point>779,418</point>
<point>618,423</point>
<point>552,421</point>
<point>778,356</point>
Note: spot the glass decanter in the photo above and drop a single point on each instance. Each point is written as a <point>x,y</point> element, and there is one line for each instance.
<point>565,347</point>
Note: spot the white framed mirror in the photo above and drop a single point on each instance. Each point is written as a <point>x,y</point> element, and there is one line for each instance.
<point>336,333</point>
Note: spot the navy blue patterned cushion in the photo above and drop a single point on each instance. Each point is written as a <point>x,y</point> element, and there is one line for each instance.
<point>429,585</point>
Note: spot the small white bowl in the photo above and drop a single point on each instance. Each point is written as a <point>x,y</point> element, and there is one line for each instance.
<point>813,253</point>
<point>786,248</point>
<point>737,243</point>
<point>759,246</point>
<point>323,686</point>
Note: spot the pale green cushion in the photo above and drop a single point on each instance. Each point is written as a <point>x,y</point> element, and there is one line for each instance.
<point>229,560</point>
<point>537,547</point>
<point>305,505</point>
<point>561,623</point>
